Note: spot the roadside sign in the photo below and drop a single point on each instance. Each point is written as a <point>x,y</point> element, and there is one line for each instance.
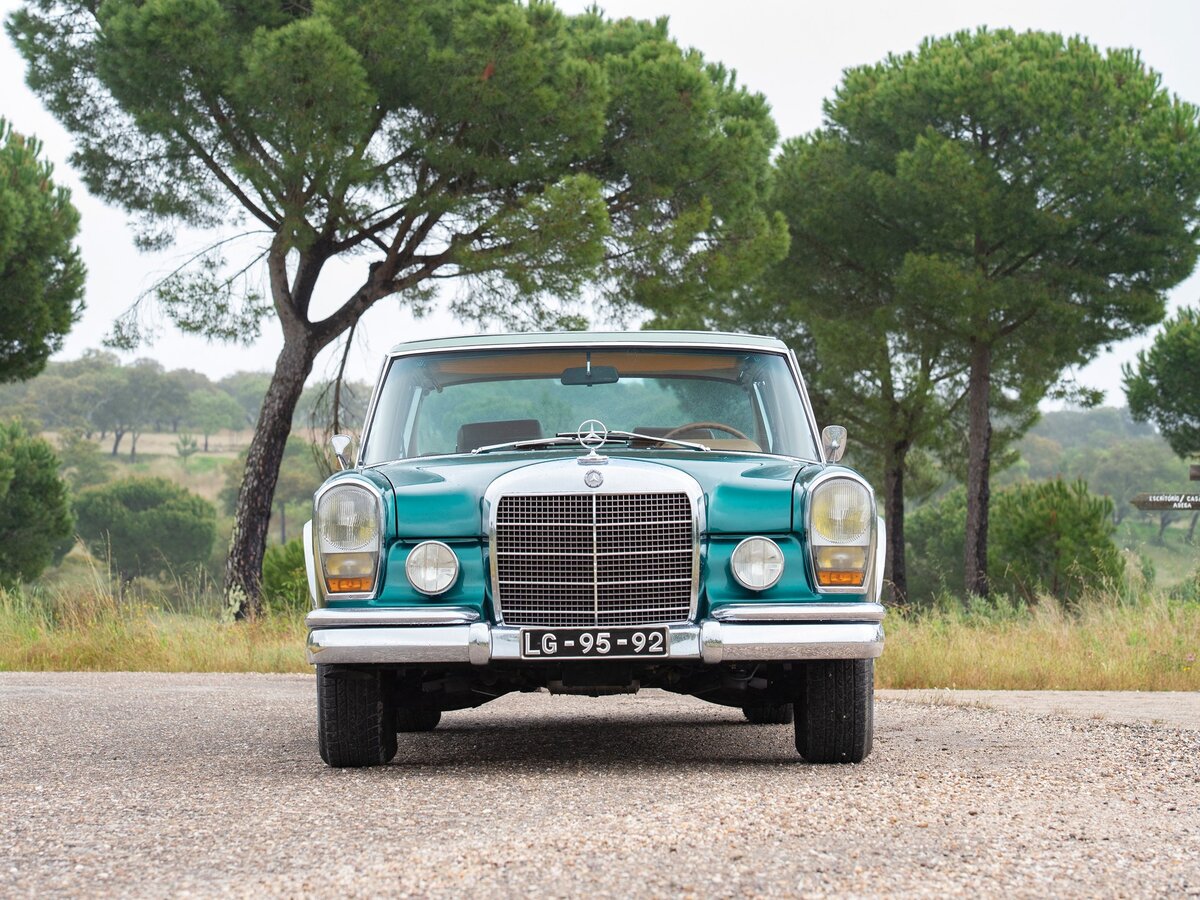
<point>1166,501</point>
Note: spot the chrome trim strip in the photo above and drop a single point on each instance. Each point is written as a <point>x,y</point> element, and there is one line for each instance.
<point>310,567</point>
<point>814,429</point>
<point>880,556</point>
<point>711,642</point>
<point>869,575</point>
<point>381,553</point>
<point>780,643</point>
<point>410,615</point>
<point>800,612</point>
<point>373,646</point>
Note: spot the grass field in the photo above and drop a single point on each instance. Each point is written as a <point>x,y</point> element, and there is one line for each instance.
<point>81,624</point>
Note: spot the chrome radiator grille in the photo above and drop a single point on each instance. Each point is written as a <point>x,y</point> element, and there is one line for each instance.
<point>594,559</point>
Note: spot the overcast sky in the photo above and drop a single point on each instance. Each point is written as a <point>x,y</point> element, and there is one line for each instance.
<point>793,52</point>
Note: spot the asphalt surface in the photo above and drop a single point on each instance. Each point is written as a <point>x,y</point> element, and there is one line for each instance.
<point>152,785</point>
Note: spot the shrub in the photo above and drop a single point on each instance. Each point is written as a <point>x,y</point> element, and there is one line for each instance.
<point>35,513</point>
<point>146,526</point>
<point>285,580</point>
<point>1044,537</point>
<point>1055,538</point>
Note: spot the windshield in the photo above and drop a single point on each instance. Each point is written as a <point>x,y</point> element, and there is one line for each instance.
<point>456,402</point>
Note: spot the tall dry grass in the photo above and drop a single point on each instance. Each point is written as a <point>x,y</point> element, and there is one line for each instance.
<point>1104,643</point>
<point>87,624</point>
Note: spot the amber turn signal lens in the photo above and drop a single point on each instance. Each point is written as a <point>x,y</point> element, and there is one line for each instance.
<point>826,578</point>
<point>347,585</point>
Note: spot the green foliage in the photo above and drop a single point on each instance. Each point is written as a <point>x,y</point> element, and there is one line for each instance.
<point>509,144</point>
<point>1054,538</point>
<point>35,515</point>
<point>210,410</point>
<point>146,526</point>
<point>285,579</point>
<point>1165,386</point>
<point>935,532</point>
<point>1046,537</point>
<point>41,273</point>
<point>185,447</point>
<point>81,462</point>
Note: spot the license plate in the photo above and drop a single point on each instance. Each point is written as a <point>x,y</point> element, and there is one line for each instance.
<point>593,643</point>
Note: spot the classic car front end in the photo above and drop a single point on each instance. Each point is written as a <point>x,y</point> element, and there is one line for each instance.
<point>592,514</point>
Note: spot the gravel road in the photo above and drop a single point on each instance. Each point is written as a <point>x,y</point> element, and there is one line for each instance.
<point>147,785</point>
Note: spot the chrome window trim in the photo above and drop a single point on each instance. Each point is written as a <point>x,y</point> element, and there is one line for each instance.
<point>869,573</point>
<point>356,481</point>
<point>554,477</point>
<point>788,355</point>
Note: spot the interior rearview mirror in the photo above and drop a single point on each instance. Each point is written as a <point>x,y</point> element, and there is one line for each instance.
<point>833,440</point>
<point>590,375</point>
<point>341,443</point>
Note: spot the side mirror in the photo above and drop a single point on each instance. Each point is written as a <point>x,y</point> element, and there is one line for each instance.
<point>341,443</point>
<point>833,440</point>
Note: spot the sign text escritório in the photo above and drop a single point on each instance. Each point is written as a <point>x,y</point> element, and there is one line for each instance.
<point>1166,501</point>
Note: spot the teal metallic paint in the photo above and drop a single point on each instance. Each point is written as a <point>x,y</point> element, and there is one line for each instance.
<point>439,497</point>
<point>794,586</point>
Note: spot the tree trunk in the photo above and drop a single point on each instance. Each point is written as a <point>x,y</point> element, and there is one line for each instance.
<point>206,443</point>
<point>117,435</point>
<point>283,522</point>
<point>979,462</point>
<point>133,438</point>
<point>252,518</point>
<point>1191,535</point>
<point>1164,519</point>
<point>894,570</point>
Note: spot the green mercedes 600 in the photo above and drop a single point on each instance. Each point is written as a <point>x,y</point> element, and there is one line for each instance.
<point>593,514</point>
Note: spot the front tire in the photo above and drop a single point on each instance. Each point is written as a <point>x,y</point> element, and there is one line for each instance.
<point>835,721</point>
<point>356,725</point>
<point>769,714</point>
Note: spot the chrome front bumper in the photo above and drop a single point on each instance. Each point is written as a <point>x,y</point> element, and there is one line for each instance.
<point>441,635</point>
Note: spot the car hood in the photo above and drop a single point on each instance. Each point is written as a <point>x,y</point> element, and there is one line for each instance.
<point>443,496</point>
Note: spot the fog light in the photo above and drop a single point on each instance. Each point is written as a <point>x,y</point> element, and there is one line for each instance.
<point>431,567</point>
<point>757,563</point>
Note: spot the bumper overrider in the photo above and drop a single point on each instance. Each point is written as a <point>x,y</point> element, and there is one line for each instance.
<point>441,635</point>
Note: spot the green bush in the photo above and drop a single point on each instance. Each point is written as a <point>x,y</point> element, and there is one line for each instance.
<point>35,514</point>
<point>1044,537</point>
<point>285,580</point>
<point>936,534</point>
<point>1055,538</point>
<point>147,526</point>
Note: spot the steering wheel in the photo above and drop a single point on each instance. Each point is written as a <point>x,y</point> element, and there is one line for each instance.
<point>693,426</point>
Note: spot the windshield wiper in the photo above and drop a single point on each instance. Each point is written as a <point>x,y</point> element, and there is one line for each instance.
<point>690,445</point>
<point>530,442</point>
<point>572,437</point>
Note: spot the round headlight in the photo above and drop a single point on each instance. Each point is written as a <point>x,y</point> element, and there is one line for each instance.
<point>757,563</point>
<point>841,511</point>
<point>431,567</point>
<point>348,520</point>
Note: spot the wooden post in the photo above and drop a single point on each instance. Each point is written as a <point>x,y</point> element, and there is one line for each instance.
<point>1194,473</point>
